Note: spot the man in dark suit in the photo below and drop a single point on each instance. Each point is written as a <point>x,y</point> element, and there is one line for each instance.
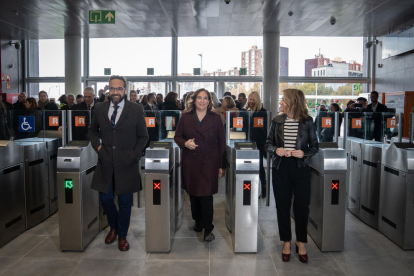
<point>120,125</point>
<point>377,108</point>
<point>19,105</point>
<point>151,110</point>
<point>81,111</point>
<point>71,103</point>
<point>160,101</point>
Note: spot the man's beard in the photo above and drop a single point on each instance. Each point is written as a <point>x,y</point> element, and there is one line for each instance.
<point>116,102</point>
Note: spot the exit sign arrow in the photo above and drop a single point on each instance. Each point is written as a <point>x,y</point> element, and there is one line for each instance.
<point>109,17</point>
<point>101,17</point>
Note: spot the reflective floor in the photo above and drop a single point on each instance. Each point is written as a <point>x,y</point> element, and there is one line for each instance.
<point>367,252</point>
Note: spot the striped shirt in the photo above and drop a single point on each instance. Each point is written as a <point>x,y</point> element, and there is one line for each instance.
<point>290,133</point>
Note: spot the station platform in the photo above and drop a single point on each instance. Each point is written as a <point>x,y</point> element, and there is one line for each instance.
<point>367,251</point>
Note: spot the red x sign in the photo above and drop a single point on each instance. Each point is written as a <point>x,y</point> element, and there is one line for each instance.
<point>157,186</point>
<point>335,186</point>
<point>246,187</point>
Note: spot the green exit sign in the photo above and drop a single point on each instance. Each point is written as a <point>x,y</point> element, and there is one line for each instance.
<point>107,71</point>
<point>196,71</point>
<point>68,184</point>
<point>101,17</point>
<point>150,71</point>
<point>243,71</point>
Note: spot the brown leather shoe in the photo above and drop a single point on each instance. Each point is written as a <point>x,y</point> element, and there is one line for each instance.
<point>110,238</point>
<point>123,244</point>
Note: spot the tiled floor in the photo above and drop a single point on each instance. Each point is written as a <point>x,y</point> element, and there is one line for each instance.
<point>367,252</point>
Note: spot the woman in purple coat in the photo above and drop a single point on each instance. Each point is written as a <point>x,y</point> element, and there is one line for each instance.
<point>200,135</point>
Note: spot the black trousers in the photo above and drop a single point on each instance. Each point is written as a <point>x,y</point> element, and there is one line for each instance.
<point>288,180</point>
<point>202,211</point>
<point>262,173</point>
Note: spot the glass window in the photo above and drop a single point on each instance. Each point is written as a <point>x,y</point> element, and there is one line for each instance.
<point>54,90</point>
<point>218,53</point>
<point>147,87</point>
<point>341,56</point>
<point>130,56</point>
<point>184,87</point>
<point>243,87</point>
<point>47,58</point>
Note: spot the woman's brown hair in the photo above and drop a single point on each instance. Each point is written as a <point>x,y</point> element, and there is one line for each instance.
<point>191,104</point>
<point>230,102</point>
<point>295,103</point>
<point>171,97</point>
<point>33,103</point>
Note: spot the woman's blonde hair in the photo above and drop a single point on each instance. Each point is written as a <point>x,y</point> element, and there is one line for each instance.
<point>230,102</point>
<point>187,100</point>
<point>191,104</point>
<point>257,100</point>
<point>295,103</point>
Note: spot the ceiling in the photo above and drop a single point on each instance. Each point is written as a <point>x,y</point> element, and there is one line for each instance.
<point>163,18</point>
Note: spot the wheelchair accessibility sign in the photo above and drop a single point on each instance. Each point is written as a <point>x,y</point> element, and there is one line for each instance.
<point>26,124</point>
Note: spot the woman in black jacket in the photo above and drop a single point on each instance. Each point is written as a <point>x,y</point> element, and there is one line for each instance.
<point>171,101</point>
<point>291,141</point>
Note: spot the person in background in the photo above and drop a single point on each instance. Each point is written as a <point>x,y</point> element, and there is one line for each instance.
<point>100,93</point>
<point>133,96</point>
<point>53,100</point>
<point>79,98</point>
<point>360,101</point>
<point>63,101</point>
<point>44,103</point>
<point>242,100</point>
<point>200,136</point>
<point>228,104</point>
<point>171,101</point>
<point>234,97</point>
<point>81,133</point>
<point>160,101</point>
<point>318,121</point>
<point>216,103</point>
<point>143,100</point>
<point>118,134</point>
<point>106,97</point>
<point>258,134</point>
<point>88,103</point>
<point>378,108</point>
<point>71,102</point>
<point>291,141</point>
<point>187,101</point>
<point>19,105</point>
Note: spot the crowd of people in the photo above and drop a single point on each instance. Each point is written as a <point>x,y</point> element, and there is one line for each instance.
<point>292,138</point>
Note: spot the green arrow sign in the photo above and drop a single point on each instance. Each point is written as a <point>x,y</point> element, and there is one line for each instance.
<point>196,71</point>
<point>107,71</point>
<point>101,17</point>
<point>243,71</point>
<point>150,71</point>
<point>68,184</point>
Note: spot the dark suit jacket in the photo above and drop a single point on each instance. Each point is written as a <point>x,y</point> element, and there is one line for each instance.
<point>200,167</point>
<point>375,130</point>
<point>121,148</point>
<point>380,108</point>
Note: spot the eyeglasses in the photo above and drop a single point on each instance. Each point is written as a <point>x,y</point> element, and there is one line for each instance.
<point>118,89</point>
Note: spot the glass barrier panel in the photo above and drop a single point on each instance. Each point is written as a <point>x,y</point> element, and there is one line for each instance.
<point>152,120</point>
<point>237,126</point>
<point>354,125</point>
<point>259,127</point>
<point>390,123</point>
<point>25,123</point>
<point>78,124</point>
<point>168,124</point>
<point>53,124</point>
<point>5,133</point>
<point>326,123</point>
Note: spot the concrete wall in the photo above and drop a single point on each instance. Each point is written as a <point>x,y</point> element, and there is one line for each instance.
<point>11,56</point>
<point>396,74</point>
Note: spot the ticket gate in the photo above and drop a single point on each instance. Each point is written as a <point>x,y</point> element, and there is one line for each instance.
<point>245,193</point>
<point>160,208</point>
<point>179,192</point>
<point>12,200</point>
<point>78,203</point>
<point>355,164</point>
<point>396,208</point>
<point>370,183</point>
<point>52,145</point>
<point>36,181</point>
<point>327,200</point>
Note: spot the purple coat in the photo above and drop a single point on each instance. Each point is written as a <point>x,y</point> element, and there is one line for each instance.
<point>200,167</point>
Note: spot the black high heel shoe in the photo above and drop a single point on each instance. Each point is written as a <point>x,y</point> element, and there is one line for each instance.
<point>285,257</point>
<point>302,258</point>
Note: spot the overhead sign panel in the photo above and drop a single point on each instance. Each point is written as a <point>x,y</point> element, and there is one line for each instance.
<point>101,17</point>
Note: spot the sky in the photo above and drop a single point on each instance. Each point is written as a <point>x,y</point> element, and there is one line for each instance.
<point>132,56</point>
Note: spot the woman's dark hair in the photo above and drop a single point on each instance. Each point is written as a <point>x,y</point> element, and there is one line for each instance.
<point>230,102</point>
<point>191,103</point>
<point>337,108</point>
<point>171,97</point>
<point>349,103</point>
<point>33,103</point>
<point>63,99</point>
<point>144,100</point>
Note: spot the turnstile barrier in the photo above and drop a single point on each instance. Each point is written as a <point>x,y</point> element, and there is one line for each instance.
<point>12,199</point>
<point>327,200</point>
<point>244,202</point>
<point>160,208</point>
<point>78,203</point>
